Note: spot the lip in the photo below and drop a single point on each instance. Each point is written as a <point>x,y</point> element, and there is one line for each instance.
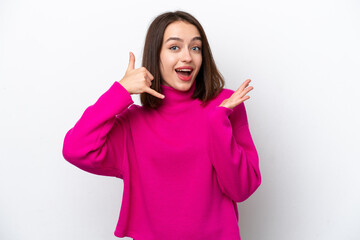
<point>185,67</point>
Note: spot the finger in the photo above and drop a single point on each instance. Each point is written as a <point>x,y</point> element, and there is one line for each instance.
<point>243,99</point>
<point>149,75</point>
<point>246,91</point>
<point>244,85</point>
<point>149,82</point>
<point>154,93</point>
<point>131,62</point>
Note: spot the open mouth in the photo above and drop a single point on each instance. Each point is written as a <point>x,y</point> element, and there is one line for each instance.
<point>184,72</point>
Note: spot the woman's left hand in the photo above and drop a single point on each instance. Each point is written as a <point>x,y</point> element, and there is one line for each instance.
<point>238,96</point>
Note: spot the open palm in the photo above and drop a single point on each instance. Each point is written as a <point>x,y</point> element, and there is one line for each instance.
<point>238,96</point>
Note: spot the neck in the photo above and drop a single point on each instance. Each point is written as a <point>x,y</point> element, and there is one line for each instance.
<point>176,99</point>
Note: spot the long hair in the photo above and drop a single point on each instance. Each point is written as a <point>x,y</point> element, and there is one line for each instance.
<point>209,81</point>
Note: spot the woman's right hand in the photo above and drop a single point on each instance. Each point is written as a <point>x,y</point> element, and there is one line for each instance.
<point>138,80</point>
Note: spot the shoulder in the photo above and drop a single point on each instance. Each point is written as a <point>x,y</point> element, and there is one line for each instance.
<point>238,112</point>
<point>226,92</point>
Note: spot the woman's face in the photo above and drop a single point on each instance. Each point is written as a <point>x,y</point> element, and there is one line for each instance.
<point>181,49</point>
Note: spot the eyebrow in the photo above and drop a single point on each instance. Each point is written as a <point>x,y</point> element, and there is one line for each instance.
<point>179,39</point>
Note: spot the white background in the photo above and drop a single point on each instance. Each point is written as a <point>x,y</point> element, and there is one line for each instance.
<point>58,57</point>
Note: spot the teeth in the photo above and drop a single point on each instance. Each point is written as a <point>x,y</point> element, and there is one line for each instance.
<point>183,70</point>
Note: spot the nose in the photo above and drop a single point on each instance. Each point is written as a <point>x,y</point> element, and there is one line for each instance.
<point>186,56</point>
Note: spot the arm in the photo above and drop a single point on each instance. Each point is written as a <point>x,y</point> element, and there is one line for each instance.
<point>233,153</point>
<point>96,143</point>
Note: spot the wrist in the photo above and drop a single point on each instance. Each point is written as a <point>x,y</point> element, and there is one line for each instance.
<point>124,85</point>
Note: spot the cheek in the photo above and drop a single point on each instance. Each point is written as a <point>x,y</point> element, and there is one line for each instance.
<point>199,62</point>
<point>167,62</point>
<point>163,65</point>
<point>161,70</point>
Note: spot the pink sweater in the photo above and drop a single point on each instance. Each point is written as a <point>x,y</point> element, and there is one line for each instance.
<point>184,166</point>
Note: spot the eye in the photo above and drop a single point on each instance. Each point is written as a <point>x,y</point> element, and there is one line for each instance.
<point>174,48</point>
<point>196,48</point>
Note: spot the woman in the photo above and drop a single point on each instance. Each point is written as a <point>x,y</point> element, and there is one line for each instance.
<point>186,155</point>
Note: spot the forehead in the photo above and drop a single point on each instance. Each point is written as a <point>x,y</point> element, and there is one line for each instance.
<point>181,29</point>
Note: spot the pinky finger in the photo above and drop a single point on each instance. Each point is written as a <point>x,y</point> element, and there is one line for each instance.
<point>154,93</point>
<point>243,99</point>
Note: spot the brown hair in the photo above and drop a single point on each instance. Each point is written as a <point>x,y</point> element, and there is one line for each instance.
<point>209,81</point>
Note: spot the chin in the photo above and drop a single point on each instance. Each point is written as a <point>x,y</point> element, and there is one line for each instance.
<point>181,85</point>
<point>184,86</point>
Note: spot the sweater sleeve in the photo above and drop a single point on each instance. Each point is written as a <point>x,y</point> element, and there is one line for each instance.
<point>96,143</point>
<point>233,153</point>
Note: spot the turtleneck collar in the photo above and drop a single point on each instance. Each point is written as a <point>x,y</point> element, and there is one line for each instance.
<point>176,99</point>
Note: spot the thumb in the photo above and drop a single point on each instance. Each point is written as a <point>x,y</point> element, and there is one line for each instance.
<point>131,62</point>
